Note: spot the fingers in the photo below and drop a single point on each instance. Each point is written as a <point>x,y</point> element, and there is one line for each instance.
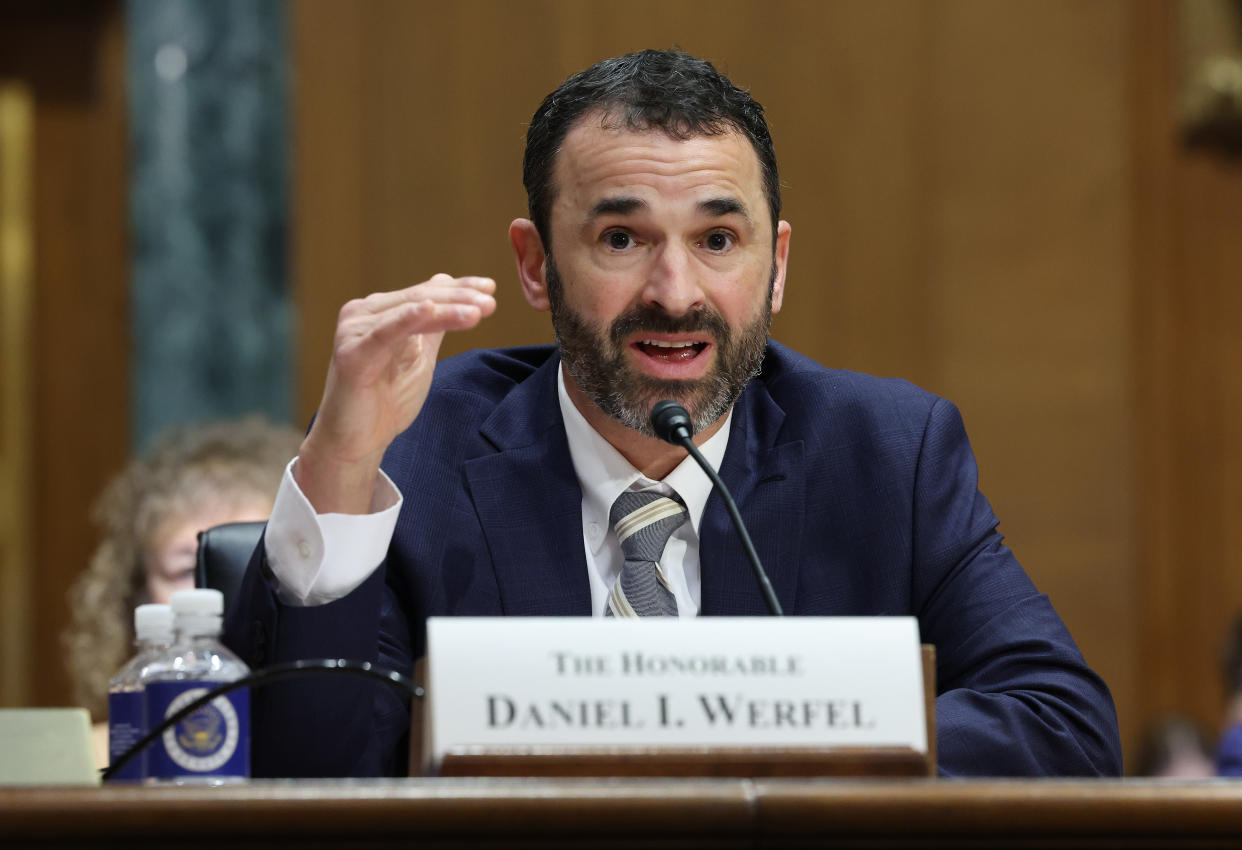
<point>440,288</point>
<point>382,322</point>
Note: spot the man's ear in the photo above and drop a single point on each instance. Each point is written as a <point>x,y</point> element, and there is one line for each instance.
<point>780,259</point>
<point>531,262</point>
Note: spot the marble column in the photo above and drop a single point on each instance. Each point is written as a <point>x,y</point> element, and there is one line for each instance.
<point>208,87</point>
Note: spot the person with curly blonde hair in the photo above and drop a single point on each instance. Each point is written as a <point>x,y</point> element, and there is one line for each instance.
<point>194,477</point>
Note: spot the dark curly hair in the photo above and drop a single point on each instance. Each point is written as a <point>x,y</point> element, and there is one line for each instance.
<point>665,90</point>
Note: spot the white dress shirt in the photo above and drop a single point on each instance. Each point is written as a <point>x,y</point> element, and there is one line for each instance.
<point>317,558</point>
<point>604,474</point>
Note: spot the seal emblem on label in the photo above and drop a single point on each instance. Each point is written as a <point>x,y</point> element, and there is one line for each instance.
<point>207,738</point>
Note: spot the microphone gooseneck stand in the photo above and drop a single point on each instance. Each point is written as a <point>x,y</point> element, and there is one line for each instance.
<point>672,424</point>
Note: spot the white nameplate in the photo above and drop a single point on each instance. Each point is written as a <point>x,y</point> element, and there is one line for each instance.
<point>708,681</point>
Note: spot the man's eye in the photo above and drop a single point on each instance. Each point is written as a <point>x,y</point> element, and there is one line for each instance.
<point>717,241</point>
<point>618,240</point>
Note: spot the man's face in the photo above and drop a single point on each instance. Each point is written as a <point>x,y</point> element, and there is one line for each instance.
<point>664,275</point>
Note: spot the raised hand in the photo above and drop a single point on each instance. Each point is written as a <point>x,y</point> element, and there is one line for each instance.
<point>383,357</point>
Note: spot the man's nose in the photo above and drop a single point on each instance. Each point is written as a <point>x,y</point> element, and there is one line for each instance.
<point>673,281</point>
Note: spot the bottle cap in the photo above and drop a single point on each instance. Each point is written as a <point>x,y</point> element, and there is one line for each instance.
<point>200,602</point>
<point>153,622</point>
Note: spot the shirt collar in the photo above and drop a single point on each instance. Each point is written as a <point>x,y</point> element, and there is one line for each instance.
<point>603,473</point>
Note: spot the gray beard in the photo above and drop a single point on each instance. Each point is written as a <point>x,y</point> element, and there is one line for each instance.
<point>596,360</point>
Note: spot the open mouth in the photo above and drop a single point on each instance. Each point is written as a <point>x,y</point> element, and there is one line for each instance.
<point>670,352</point>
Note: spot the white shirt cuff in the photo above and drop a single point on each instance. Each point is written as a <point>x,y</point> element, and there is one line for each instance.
<point>317,558</point>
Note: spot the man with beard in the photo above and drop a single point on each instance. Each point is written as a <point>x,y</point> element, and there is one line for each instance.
<point>655,240</point>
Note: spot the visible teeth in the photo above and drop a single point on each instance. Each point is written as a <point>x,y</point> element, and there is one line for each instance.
<point>661,344</point>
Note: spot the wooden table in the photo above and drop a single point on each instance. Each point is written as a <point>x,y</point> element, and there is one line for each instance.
<point>631,813</point>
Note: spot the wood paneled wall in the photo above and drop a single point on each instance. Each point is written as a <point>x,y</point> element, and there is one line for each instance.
<point>1187,355</point>
<point>957,173</point>
<point>70,56</point>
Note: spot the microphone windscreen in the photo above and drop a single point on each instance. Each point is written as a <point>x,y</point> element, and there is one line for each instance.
<point>668,419</point>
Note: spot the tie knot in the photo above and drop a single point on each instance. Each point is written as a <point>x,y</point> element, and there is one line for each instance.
<point>644,522</point>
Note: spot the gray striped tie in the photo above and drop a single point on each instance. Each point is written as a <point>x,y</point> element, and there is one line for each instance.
<point>643,522</point>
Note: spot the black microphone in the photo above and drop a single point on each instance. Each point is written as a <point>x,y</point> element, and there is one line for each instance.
<point>672,424</point>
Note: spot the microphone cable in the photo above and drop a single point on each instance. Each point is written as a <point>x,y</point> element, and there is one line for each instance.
<point>284,670</point>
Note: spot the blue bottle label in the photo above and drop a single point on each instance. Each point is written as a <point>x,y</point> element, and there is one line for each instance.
<point>211,741</point>
<point>126,725</point>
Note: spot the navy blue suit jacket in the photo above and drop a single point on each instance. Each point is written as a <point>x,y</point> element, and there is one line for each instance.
<point>860,494</point>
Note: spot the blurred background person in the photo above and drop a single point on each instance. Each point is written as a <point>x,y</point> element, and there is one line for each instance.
<point>1229,748</point>
<point>1175,747</point>
<point>194,477</point>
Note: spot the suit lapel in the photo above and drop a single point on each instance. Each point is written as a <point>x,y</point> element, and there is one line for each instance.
<point>530,504</point>
<point>769,486</point>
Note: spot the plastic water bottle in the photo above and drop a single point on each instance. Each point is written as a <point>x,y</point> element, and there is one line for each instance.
<point>153,632</point>
<point>212,744</point>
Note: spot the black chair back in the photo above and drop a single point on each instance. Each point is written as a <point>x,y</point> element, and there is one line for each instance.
<point>223,553</point>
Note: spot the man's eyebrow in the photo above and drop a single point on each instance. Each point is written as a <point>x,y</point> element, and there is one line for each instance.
<point>626,205</point>
<point>719,207</point>
<point>616,206</point>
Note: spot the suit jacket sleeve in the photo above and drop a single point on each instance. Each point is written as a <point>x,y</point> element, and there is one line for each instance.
<point>438,563</point>
<point>320,725</point>
<point>1016,696</point>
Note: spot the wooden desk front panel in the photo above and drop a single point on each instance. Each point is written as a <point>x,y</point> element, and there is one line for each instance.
<point>632,813</point>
